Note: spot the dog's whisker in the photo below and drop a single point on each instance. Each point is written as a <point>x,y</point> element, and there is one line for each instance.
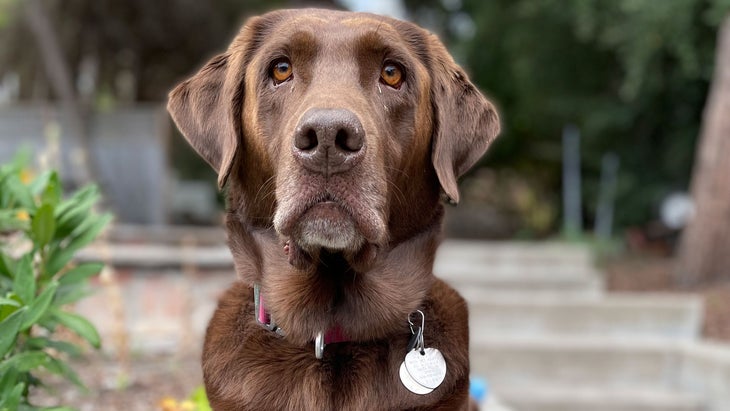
<point>269,183</point>
<point>397,170</point>
<point>399,196</point>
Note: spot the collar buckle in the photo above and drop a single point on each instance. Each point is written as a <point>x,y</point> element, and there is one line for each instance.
<point>262,316</point>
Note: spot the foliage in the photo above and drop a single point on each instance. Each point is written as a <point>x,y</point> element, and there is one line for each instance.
<point>197,401</point>
<point>123,51</point>
<point>633,75</point>
<point>41,232</point>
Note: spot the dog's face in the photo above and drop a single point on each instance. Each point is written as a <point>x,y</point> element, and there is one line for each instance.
<point>339,129</point>
<point>340,116</point>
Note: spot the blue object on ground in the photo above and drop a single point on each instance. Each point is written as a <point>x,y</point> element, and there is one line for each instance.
<point>478,389</point>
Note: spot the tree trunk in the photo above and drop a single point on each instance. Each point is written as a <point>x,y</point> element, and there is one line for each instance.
<point>704,253</point>
<point>62,82</point>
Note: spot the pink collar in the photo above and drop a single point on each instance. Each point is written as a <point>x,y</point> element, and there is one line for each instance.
<point>263,317</point>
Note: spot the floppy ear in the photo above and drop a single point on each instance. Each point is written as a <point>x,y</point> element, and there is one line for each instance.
<point>465,122</point>
<point>207,110</point>
<point>207,107</point>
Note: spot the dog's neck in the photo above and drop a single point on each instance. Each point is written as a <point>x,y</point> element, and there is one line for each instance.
<point>266,320</point>
<point>332,293</point>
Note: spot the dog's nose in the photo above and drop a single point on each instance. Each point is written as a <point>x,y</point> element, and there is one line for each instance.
<point>329,141</point>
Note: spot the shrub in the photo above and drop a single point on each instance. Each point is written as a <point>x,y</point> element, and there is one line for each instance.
<point>40,232</point>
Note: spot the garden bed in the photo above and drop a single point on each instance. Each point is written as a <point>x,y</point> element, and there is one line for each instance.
<point>655,273</point>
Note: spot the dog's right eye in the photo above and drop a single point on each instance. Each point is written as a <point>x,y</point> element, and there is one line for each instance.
<point>281,70</point>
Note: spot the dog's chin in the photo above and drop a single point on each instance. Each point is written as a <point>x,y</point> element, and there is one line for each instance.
<point>327,229</point>
<point>327,226</point>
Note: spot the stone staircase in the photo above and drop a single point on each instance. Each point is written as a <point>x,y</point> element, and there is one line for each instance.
<point>547,338</point>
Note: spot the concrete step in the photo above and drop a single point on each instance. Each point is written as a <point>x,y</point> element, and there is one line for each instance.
<point>616,315</point>
<point>166,234</point>
<point>474,271</point>
<point>598,361</point>
<point>474,286</point>
<point>153,256</point>
<point>548,268</point>
<point>706,371</point>
<point>516,252</point>
<point>588,398</point>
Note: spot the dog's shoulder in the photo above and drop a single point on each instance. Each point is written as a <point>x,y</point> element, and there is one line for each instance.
<point>447,323</point>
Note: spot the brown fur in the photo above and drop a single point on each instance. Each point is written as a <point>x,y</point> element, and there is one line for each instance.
<point>418,139</point>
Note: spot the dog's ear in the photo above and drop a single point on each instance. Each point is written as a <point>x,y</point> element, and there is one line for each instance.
<point>465,122</point>
<point>207,107</point>
<point>207,110</point>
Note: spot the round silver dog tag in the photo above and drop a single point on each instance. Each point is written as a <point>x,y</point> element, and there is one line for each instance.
<point>427,367</point>
<point>410,383</point>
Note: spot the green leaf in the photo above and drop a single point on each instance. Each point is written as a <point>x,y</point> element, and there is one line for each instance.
<point>7,382</point>
<point>70,294</point>
<point>200,399</point>
<point>9,301</point>
<point>7,309</point>
<point>88,232</point>
<point>5,171</point>
<point>58,259</point>
<point>40,182</point>
<point>25,361</point>
<point>59,367</point>
<point>43,225</point>
<point>7,267</point>
<point>73,212</point>
<point>82,236</point>
<point>40,343</point>
<point>52,192</point>
<point>19,193</point>
<point>24,281</point>
<point>39,306</point>
<point>80,273</point>
<point>10,220</point>
<point>82,199</point>
<point>12,401</point>
<point>79,325</point>
<point>9,330</point>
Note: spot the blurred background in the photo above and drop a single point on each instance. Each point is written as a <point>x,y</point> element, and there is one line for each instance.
<point>611,165</point>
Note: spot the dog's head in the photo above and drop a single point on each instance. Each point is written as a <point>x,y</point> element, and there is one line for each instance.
<point>338,128</point>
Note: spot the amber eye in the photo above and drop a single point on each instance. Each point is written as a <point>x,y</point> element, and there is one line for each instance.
<point>281,70</point>
<point>392,75</point>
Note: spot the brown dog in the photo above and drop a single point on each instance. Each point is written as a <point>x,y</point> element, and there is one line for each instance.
<point>334,134</point>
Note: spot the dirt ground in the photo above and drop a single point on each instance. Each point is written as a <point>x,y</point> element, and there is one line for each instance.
<point>654,273</point>
<point>149,380</point>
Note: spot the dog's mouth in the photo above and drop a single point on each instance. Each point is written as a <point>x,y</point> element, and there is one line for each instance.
<point>336,224</point>
<point>327,224</point>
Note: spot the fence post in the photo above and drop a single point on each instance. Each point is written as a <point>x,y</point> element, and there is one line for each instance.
<point>572,215</point>
<point>606,196</point>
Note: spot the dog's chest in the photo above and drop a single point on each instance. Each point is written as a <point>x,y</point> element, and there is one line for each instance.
<point>247,367</point>
<point>344,379</point>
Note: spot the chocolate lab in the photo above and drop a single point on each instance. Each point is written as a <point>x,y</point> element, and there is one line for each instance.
<point>336,135</point>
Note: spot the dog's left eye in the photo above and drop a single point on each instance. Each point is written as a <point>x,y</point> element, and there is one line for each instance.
<point>392,75</point>
<point>281,70</point>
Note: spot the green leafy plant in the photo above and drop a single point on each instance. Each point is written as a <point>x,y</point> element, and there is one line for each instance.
<point>40,232</point>
<point>198,401</point>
